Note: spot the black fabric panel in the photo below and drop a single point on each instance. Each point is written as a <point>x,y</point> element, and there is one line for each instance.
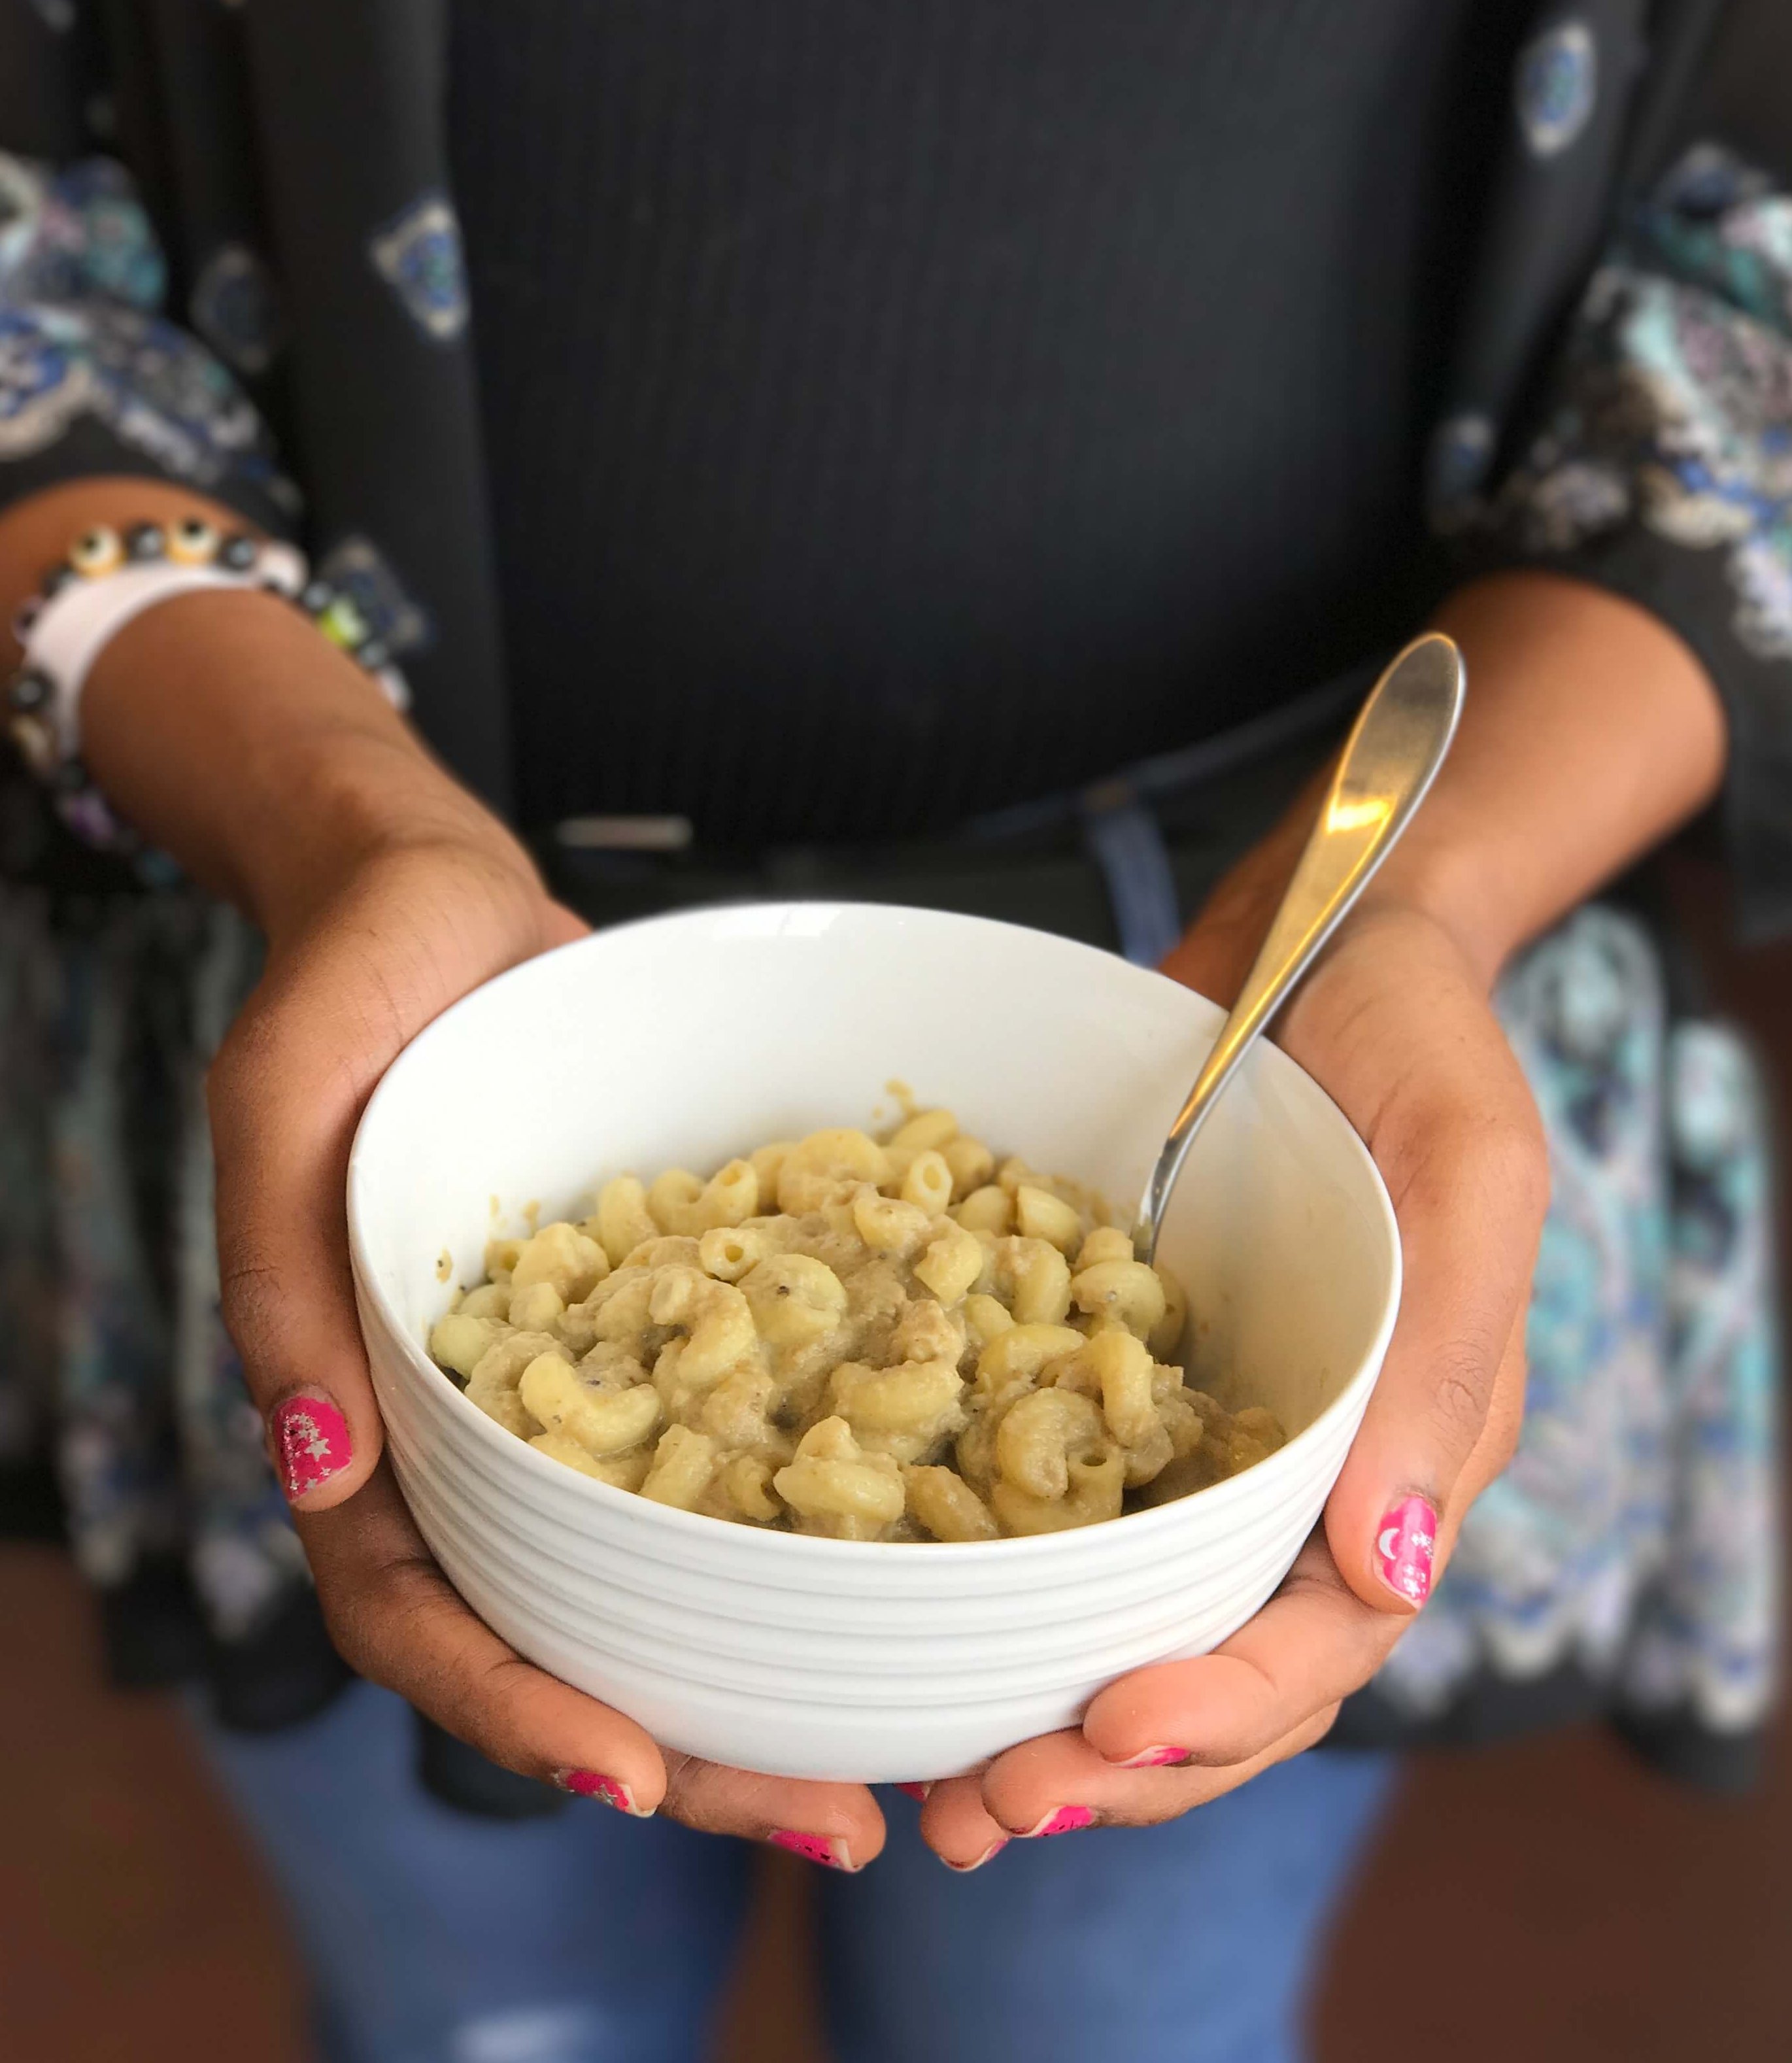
<point>1547,218</point>
<point>88,449</point>
<point>42,82</point>
<point>1678,1745</point>
<point>385,425</point>
<point>1491,1709</point>
<point>136,117</point>
<point>284,1673</point>
<point>1680,37</point>
<point>151,1633</point>
<point>204,84</point>
<point>1745,91</point>
<point>895,411</point>
<point>459,1775</point>
<point>31,1501</point>
<point>199,69</point>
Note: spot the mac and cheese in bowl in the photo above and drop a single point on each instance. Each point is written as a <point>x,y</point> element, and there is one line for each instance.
<point>893,1340</point>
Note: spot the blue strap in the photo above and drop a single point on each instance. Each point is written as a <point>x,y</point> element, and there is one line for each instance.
<point>1169,775</point>
<point>1123,837</point>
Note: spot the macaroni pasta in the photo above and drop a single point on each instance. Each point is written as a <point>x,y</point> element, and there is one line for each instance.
<point>874,1339</point>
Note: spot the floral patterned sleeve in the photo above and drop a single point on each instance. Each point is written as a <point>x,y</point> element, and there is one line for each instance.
<point>110,1002</point>
<point>93,379</point>
<point>1661,468</point>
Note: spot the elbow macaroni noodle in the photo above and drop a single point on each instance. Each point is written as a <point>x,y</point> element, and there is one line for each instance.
<point>873,1340</point>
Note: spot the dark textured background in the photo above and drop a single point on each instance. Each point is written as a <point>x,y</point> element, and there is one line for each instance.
<point>893,410</point>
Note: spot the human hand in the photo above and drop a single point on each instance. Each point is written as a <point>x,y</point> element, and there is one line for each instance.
<point>403,932</point>
<point>1590,732</point>
<point>1396,1024</point>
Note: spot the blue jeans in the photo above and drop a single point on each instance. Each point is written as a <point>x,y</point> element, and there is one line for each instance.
<point>433,1937</point>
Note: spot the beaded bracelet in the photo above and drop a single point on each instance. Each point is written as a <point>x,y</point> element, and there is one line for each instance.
<point>109,577</point>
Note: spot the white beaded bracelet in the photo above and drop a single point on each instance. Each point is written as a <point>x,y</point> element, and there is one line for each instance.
<point>108,580</point>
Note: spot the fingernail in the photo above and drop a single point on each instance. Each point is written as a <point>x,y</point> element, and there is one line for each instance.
<point>310,1443</point>
<point>995,1848</point>
<point>593,1784</point>
<point>1154,1758</point>
<point>916,1790</point>
<point>1405,1547</point>
<point>1065,1820</point>
<point>815,1848</point>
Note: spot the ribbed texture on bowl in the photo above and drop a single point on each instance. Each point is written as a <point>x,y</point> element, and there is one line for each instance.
<point>798,1664</point>
<point>826,1659</point>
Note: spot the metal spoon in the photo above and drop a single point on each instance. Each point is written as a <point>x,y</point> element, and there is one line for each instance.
<point>1390,759</point>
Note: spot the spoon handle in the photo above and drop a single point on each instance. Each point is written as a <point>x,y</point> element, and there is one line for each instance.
<point>1389,761</point>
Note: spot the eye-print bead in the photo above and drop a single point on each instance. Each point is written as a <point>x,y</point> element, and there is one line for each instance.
<point>97,551</point>
<point>36,742</point>
<point>193,542</point>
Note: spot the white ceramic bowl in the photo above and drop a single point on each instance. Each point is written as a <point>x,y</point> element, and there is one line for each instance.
<point>687,1039</point>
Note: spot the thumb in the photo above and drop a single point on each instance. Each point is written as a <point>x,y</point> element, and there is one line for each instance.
<point>1444,1416</point>
<point>284,1095</point>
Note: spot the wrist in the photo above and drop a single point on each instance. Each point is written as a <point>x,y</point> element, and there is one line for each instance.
<point>1591,733</point>
<point>1455,890</point>
<point>355,802</point>
<point>229,732</point>
<point>1392,949</point>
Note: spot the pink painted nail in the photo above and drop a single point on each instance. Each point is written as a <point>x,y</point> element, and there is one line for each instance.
<point>815,1848</point>
<point>310,1443</point>
<point>995,1848</point>
<point>1065,1820</point>
<point>593,1784</point>
<point>1404,1548</point>
<point>1155,1758</point>
<point>918,1791</point>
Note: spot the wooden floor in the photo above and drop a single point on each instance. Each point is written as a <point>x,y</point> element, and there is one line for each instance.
<point>1549,1901</point>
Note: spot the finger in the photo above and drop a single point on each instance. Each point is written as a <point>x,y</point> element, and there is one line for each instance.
<point>396,1619</point>
<point>562,926</point>
<point>1059,1785</point>
<point>1310,1646</point>
<point>956,1825</point>
<point>285,1093</point>
<point>1427,1075</point>
<point>1470,1213</point>
<point>838,1825</point>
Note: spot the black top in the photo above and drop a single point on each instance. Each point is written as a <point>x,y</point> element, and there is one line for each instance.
<point>878,414</point>
<point>891,411</point>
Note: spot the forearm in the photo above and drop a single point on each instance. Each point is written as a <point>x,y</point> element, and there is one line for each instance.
<point>228,732</point>
<point>1590,732</point>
